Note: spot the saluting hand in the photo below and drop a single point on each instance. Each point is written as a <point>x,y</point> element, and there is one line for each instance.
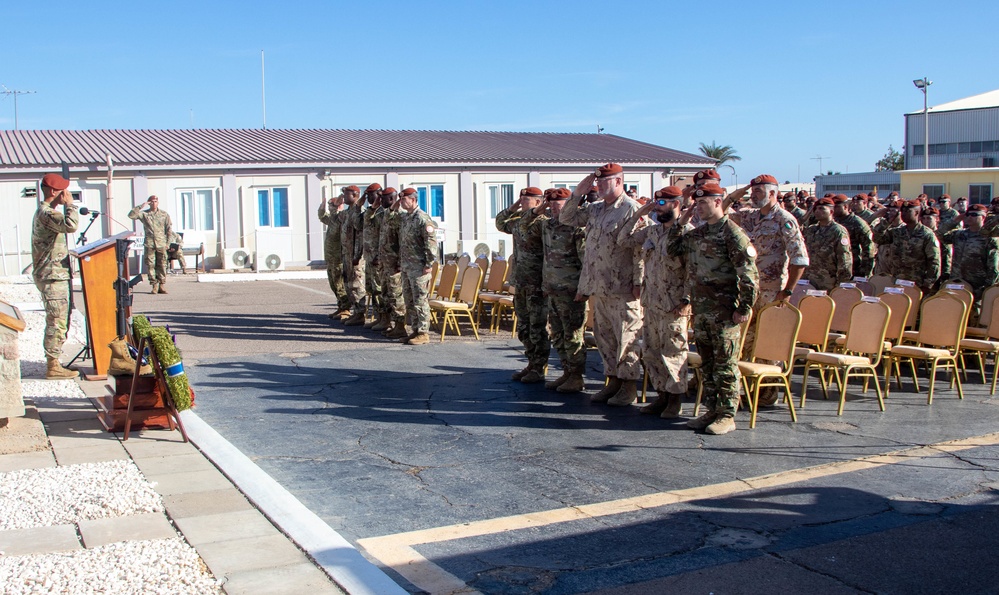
<point>646,208</point>
<point>686,215</point>
<point>583,188</point>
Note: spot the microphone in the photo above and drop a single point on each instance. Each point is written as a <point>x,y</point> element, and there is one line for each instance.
<point>85,211</point>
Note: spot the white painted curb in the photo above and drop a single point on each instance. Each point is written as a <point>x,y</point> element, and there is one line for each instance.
<point>335,554</point>
<point>268,276</point>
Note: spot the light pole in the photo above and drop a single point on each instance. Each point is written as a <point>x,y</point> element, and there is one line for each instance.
<point>735,175</point>
<point>923,84</point>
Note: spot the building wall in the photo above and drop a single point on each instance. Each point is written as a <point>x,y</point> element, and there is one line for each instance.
<point>951,137</point>
<point>955,182</point>
<point>858,183</point>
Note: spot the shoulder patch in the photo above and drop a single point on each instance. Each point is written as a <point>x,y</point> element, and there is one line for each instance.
<point>751,250</point>
<point>845,241</point>
<point>787,224</point>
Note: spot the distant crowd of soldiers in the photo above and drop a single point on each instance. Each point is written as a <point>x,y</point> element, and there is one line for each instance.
<point>693,258</point>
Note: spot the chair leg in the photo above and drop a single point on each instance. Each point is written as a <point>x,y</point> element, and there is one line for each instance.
<point>804,383</point>
<point>754,400</point>
<point>995,372</point>
<point>842,390</point>
<point>933,377</point>
<point>960,389</point>
<point>877,388</point>
<point>475,330</point>
<point>915,381</point>
<point>700,391</point>
<point>788,399</point>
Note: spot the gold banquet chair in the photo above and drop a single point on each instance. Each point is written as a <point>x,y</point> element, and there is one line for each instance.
<point>492,288</point>
<point>777,344</point>
<point>941,328</point>
<point>694,362</point>
<point>981,331</point>
<point>987,346</point>
<point>863,349</point>
<point>444,289</point>
<point>464,305</point>
<point>846,298</point>
<point>879,282</point>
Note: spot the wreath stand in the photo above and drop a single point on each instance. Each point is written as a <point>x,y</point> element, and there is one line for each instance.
<point>169,409</point>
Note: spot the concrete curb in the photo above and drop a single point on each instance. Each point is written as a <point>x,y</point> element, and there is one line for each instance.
<point>265,276</point>
<point>333,553</point>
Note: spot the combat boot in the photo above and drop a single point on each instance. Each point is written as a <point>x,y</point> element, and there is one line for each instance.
<point>768,396</point>
<point>412,335</point>
<point>374,320</point>
<point>156,288</point>
<point>355,319</point>
<point>397,332</point>
<point>520,374</point>
<point>382,323</point>
<point>533,376</point>
<point>574,383</point>
<point>419,339</point>
<point>656,407</point>
<point>703,421</point>
<point>613,385</point>
<point>163,288</point>
<point>723,424</point>
<point>55,371</point>
<point>553,384</point>
<point>627,395</point>
<point>674,408</point>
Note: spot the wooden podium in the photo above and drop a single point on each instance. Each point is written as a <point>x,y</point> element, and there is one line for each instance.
<point>98,273</point>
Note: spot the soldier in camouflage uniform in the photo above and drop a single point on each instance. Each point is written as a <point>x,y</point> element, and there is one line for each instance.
<point>721,267</point>
<point>665,302</point>
<point>417,252</point>
<point>791,206</point>
<point>331,216</point>
<point>612,278</point>
<point>948,216</point>
<point>882,264</point>
<point>352,246</point>
<point>830,261</point>
<point>859,207</point>
<point>388,261</point>
<point>528,299</point>
<point>177,254</point>
<point>50,266</point>
<point>976,253</point>
<point>930,217</point>
<point>158,230</point>
<point>915,253</point>
<point>861,238</point>
<point>370,237</point>
<point>564,247</point>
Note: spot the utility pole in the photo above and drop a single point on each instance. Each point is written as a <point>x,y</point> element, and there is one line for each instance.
<point>819,158</point>
<point>15,93</point>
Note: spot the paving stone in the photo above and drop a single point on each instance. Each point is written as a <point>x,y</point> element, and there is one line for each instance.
<point>27,460</point>
<point>226,526</point>
<point>62,414</point>
<point>82,440</point>
<point>137,527</point>
<point>299,578</point>
<point>106,451</point>
<point>226,557</point>
<point>39,540</point>
<point>141,445</point>
<point>156,466</point>
<point>194,481</point>
<point>205,503</point>
<point>78,427</point>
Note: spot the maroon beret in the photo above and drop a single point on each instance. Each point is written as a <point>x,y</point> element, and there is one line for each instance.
<point>707,174</point>
<point>408,192</point>
<point>944,197</point>
<point>802,194</point>
<point>55,181</point>
<point>764,179</point>
<point>373,187</point>
<point>561,193</point>
<point>824,202</point>
<point>709,189</point>
<point>840,198</point>
<point>931,211</point>
<point>352,188</point>
<point>532,191</point>
<point>670,192</point>
<point>388,191</point>
<point>911,204</point>
<point>861,196</point>
<point>608,170</point>
<point>978,209</point>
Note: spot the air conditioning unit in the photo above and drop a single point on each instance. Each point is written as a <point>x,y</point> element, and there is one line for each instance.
<point>237,258</point>
<point>271,262</point>
<point>273,247</point>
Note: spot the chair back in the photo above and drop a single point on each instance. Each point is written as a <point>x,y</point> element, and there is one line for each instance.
<point>816,316</point>
<point>962,294</point>
<point>463,261</point>
<point>988,299</point>
<point>435,270</point>
<point>800,291</point>
<point>942,321</point>
<point>865,286</point>
<point>781,322</point>
<point>900,304</point>
<point>510,264</point>
<point>744,330</point>
<point>880,282</point>
<point>916,295</point>
<point>445,289</point>
<point>470,280</point>
<point>993,328</point>
<point>483,263</point>
<point>868,323</point>
<point>497,275</point>
<point>846,298</point>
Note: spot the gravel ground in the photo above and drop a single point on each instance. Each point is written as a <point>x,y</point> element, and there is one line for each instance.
<point>129,567</point>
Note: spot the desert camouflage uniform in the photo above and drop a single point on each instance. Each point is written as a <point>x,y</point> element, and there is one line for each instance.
<point>664,333</point>
<point>332,253</point>
<point>721,267</point>
<point>158,230</point>
<point>417,251</point>
<point>610,273</point>
<point>830,261</point>
<point>528,299</point>
<point>976,259</point>
<point>50,270</point>
<point>352,247</point>
<point>372,275</point>
<point>564,250</point>
<point>388,261</point>
<point>177,254</point>
<point>862,245</point>
<point>915,253</point>
<point>798,213</point>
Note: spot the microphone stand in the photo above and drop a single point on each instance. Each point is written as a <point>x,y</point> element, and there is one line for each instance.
<point>86,352</point>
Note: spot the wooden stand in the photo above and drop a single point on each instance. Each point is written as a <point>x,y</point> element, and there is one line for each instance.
<point>98,272</point>
<point>147,409</point>
<point>136,411</point>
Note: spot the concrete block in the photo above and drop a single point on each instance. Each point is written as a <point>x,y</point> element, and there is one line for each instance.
<point>157,443</point>
<point>299,578</point>
<point>194,481</point>
<point>205,503</point>
<point>38,459</point>
<point>97,453</point>
<point>154,467</point>
<point>137,527</point>
<point>39,540</point>
<point>226,526</point>
<point>237,555</point>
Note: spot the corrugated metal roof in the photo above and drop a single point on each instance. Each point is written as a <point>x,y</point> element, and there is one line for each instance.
<point>980,101</point>
<point>47,148</point>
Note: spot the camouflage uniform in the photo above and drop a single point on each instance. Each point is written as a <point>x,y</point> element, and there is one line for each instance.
<point>177,254</point>
<point>883,260</point>
<point>798,213</point>
<point>868,216</point>
<point>861,244</point>
<point>332,253</point>
<point>721,267</point>
<point>417,251</point>
<point>830,261</point>
<point>528,300</point>
<point>976,258</point>
<point>915,253</point>
<point>564,250</point>
<point>610,273</point>
<point>50,270</point>
<point>352,247</point>
<point>664,333</point>
<point>948,219</point>
<point>158,230</point>
<point>388,261</point>
<point>372,273</point>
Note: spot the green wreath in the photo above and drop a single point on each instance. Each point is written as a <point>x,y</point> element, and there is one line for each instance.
<point>168,355</point>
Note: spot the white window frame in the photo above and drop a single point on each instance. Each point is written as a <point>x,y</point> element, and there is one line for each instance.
<point>498,187</point>
<point>270,203</point>
<point>198,197</point>
<point>943,190</point>
<point>983,199</point>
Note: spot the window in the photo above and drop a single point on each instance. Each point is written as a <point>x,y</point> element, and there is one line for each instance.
<point>933,190</point>
<point>979,194</point>
<point>197,209</point>
<point>272,207</point>
<point>500,197</point>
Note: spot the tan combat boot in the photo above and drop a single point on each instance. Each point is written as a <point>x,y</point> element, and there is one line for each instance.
<point>419,339</point>
<point>55,371</point>
<point>613,385</point>
<point>376,317</point>
<point>521,374</point>
<point>674,408</point>
<point>156,288</point>
<point>574,383</point>
<point>398,331</point>
<point>554,384</point>
<point>355,319</point>
<point>382,323</point>
<point>627,395</point>
<point>656,407</point>
<point>703,421</point>
<point>723,424</point>
<point>163,288</point>
<point>533,376</point>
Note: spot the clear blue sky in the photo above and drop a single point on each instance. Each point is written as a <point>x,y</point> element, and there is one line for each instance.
<point>782,82</point>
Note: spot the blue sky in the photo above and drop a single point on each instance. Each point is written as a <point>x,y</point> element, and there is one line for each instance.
<point>782,82</point>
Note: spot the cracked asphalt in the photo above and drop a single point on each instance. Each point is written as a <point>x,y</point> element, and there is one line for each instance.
<point>381,439</point>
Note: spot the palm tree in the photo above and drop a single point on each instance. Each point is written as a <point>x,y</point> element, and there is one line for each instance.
<point>721,153</point>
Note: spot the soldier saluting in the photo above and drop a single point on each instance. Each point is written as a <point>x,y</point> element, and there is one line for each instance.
<point>158,230</point>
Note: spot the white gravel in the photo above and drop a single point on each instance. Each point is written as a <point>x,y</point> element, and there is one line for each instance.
<point>51,389</point>
<point>167,566</point>
<point>73,493</point>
